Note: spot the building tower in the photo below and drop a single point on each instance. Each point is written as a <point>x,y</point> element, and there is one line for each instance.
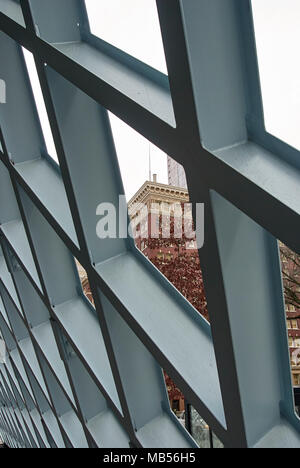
<point>176,174</point>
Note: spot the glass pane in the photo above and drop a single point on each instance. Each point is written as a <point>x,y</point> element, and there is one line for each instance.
<point>217,444</point>
<point>160,212</point>
<point>40,104</point>
<point>277,37</point>
<point>201,431</point>
<point>132,26</point>
<point>193,422</point>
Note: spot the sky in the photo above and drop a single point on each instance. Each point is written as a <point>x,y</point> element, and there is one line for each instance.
<point>133,26</point>
<point>277,28</point>
<point>40,103</point>
<point>111,21</point>
<point>130,25</point>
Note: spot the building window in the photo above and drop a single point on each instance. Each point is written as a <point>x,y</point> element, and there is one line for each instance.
<point>296,342</point>
<point>296,380</point>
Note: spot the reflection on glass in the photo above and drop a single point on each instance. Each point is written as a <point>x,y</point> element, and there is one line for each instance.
<point>217,444</point>
<point>201,431</point>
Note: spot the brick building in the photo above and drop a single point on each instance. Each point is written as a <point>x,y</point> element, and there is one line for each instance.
<point>178,260</point>
<point>291,281</point>
<point>176,257</point>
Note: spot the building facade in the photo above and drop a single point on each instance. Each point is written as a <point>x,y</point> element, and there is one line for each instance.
<point>291,282</point>
<point>176,174</point>
<point>176,258</point>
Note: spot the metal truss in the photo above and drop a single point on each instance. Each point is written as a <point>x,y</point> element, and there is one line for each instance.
<point>79,376</point>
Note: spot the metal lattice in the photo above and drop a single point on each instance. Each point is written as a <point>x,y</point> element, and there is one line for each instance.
<point>79,376</point>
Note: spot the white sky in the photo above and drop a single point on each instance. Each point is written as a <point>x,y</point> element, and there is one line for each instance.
<point>133,155</point>
<point>130,25</point>
<point>38,95</point>
<point>133,26</point>
<point>277,27</point>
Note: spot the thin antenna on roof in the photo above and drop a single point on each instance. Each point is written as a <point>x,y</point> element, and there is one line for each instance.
<point>150,172</point>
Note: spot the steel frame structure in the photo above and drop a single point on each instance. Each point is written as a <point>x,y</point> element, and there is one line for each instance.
<point>79,376</point>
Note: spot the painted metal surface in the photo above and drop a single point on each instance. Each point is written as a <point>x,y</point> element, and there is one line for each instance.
<point>78,376</point>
